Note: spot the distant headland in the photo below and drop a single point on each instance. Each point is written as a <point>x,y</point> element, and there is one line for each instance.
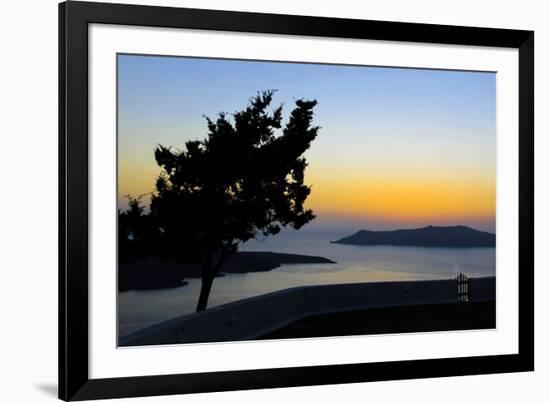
<point>154,273</point>
<point>429,236</point>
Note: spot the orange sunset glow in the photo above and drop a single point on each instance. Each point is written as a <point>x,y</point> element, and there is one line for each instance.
<point>398,146</point>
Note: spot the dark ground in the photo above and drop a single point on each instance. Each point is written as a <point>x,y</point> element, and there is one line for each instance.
<point>388,320</point>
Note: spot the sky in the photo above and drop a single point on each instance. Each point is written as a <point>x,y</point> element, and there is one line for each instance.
<point>397,148</point>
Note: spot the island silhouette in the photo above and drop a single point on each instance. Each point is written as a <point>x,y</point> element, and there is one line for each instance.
<point>155,273</point>
<point>429,236</point>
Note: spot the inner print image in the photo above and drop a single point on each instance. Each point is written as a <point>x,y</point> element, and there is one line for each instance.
<point>271,200</point>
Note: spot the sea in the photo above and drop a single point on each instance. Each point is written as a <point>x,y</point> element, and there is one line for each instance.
<point>143,308</point>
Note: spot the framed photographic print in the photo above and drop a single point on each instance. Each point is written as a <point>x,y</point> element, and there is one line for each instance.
<point>257,200</point>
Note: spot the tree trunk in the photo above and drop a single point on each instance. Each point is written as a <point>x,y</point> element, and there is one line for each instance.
<point>206,285</point>
<point>208,273</point>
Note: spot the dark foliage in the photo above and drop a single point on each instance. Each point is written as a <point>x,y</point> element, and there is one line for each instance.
<point>241,181</point>
<point>136,232</point>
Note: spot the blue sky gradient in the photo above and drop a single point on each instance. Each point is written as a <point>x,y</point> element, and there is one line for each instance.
<point>397,125</point>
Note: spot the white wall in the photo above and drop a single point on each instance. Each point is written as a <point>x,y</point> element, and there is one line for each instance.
<point>28,201</point>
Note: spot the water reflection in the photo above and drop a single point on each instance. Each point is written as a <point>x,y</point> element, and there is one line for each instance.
<point>140,309</point>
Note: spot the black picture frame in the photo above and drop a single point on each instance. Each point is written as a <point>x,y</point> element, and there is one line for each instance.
<point>74,381</point>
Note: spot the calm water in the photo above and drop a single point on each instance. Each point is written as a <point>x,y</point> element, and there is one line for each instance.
<point>140,309</point>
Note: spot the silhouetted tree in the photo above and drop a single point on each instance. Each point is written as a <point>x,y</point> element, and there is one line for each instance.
<point>135,231</point>
<point>241,181</point>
